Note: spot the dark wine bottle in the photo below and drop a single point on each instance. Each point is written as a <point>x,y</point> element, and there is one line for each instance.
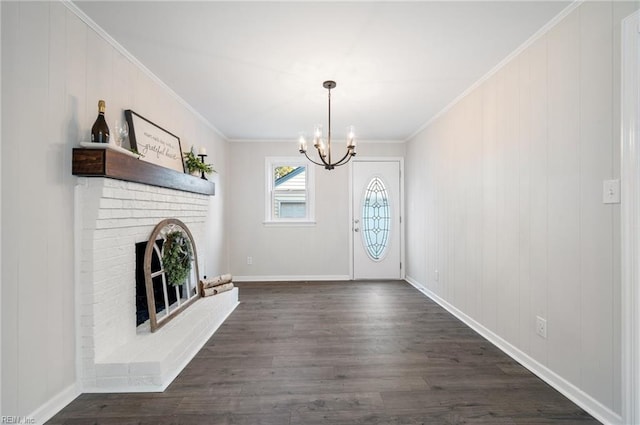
<point>100,129</point>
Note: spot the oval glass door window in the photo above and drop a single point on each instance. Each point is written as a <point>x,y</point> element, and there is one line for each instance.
<point>376,219</point>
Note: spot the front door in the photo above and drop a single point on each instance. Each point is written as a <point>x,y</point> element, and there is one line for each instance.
<point>376,219</point>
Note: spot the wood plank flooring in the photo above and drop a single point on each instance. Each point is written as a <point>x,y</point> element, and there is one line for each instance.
<point>339,353</point>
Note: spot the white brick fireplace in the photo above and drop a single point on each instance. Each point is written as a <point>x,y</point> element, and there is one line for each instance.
<point>111,217</point>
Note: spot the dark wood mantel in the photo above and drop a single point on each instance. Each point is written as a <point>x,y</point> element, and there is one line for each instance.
<point>120,166</point>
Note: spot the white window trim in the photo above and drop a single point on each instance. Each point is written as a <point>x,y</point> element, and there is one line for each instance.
<point>276,161</point>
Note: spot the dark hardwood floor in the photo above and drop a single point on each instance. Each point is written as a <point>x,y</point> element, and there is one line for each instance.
<point>339,353</point>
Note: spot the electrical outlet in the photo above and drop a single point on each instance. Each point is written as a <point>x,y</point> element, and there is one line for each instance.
<point>249,260</point>
<point>541,327</point>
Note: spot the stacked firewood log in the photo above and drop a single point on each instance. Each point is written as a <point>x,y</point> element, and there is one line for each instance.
<point>216,285</point>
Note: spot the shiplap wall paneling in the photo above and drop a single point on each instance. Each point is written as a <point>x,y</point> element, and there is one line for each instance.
<point>59,244</point>
<point>596,225</point>
<point>34,140</point>
<point>620,11</point>
<point>490,204</point>
<point>10,254</point>
<point>457,242</point>
<point>525,317</point>
<point>430,193</point>
<point>55,68</point>
<point>454,240</point>
<point>535,60</point>
<point>440,208</point>
<point>437,224</point>
<point>99,64</point>
<point>426,259</point>
<point>564,315</point>
<point>428,197</point>
<point>472,186</point>
<point>76,104</point>
<point>124,74</point>
<point>0,232</point>
<point>417,218</point>
<point>549,247</point>
<point>508,203</point>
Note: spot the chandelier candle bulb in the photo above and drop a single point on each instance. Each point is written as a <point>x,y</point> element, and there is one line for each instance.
<point>317,137</point>
<point>351,143</point>
<point>303,143</point>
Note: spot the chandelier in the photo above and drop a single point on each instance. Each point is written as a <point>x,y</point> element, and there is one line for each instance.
<point>324,151</point>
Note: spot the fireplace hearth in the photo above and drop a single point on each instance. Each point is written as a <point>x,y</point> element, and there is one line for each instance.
<point>117,350</point>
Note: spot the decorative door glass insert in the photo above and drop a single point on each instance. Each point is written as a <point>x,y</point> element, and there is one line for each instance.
<point>376,219</point>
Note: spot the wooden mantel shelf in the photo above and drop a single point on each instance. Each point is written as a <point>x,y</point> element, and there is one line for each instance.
<point>120,166</point>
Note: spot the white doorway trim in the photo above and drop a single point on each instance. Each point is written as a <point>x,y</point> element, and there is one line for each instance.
<point>400,160</point>
<point>630,209</point>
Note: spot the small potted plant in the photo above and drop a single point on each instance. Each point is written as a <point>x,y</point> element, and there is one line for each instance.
<point>195,165</point>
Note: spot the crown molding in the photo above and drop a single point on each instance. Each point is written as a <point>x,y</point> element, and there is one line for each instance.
<point>536,36</point>
<point>121,49</point>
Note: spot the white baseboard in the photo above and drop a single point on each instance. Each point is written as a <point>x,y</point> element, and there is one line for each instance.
<point>55,404</point>
<point>313,278</point>
<point>566,388</point>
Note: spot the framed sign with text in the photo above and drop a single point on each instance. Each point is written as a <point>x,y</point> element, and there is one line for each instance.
<point>156,144</point>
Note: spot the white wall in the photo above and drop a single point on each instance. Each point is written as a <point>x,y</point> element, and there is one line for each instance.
<point>309,252</point>
<point>504,199</point>
<point>0,226</point>
<point>54,69</point>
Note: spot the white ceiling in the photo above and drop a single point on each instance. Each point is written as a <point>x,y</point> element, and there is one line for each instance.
<point>255,69</point>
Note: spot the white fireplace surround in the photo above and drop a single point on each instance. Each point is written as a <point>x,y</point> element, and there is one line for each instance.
<point>115,356</point>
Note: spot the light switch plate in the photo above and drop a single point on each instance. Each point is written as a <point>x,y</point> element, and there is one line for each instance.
<point>541,327</point>
<point>611,191</point>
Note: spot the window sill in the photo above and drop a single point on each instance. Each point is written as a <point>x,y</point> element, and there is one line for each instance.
<point>301,223</point>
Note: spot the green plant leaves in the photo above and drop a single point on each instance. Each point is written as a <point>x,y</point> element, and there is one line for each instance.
<point>176,257</point>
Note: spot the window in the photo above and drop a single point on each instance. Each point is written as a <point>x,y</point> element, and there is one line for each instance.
<point>289,192</point>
